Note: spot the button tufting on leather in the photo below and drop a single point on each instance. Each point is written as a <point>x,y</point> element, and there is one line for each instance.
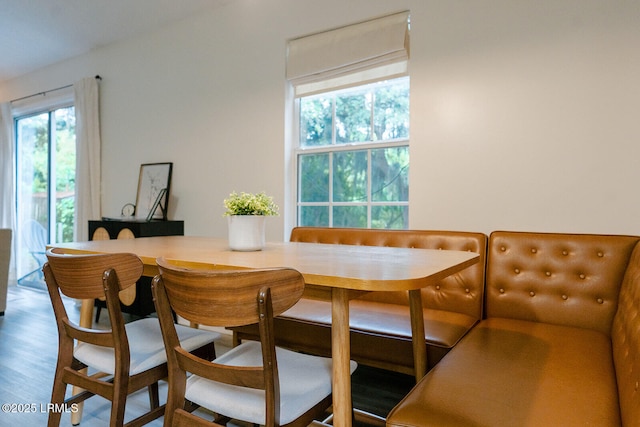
<point>438,287</point>
<point>467,290</point>
<point>517,271</point>
<point>502,248</point>
<point>582,276</point>
<point>565,253</point>
<point>534,250</point>
<point>600,254</point>
<point>533,294</point>
<point>548,273</point>
<point>600,301</point>
<point>501,290</point>
<point>564,297</point>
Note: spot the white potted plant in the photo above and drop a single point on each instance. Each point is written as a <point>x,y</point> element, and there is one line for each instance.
<point>246,214</point>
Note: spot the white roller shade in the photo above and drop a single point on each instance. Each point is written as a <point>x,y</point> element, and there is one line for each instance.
<point>355,54</point>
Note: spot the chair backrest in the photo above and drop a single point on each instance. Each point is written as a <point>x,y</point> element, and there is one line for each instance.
<point>89,277</point>
<point>81,276</point>
<point>35,238</point>
<point>222,297</point>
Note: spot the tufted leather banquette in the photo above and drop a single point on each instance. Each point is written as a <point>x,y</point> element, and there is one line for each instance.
<point>380,321</point>
<point>560,344</point>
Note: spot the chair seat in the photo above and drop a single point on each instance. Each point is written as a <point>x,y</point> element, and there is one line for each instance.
<point>304,381</point>
<point>145,346</point>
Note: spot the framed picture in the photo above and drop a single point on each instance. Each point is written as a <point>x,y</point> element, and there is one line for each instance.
<point>154,184</point>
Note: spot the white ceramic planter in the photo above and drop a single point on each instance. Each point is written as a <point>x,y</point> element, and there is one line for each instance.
<point>246,232</point>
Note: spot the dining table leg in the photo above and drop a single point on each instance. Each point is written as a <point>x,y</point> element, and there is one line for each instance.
<point>417,334</point>
<point>341,355</point>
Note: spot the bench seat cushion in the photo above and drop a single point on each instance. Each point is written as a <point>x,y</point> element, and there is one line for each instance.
<point>442,328</point>
<point>380,332</point>
<point>508,372</point>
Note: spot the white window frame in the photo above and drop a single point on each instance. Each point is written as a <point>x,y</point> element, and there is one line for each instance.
<point>336,148</point>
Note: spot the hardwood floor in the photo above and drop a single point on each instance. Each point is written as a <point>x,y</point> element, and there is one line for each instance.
<point>28,351</point>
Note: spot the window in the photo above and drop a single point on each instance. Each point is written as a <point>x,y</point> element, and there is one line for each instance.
<point>353,157</point>
<point>46,163</point>
<point>350,111</point>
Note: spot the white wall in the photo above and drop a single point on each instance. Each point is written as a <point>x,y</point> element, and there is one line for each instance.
<point>524,113</point>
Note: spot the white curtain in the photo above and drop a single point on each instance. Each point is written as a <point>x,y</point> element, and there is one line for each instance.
<point>7,174</point>
<point>88,155</point>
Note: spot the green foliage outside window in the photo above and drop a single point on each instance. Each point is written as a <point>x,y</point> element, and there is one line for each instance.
<point>34,134</point>
<point>65,171</point>
<point>341,184</point>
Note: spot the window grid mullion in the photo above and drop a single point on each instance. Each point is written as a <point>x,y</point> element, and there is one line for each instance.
<point>331,201</point>
<point>369,187</point>
<point>355,146</point>
<point>334,136</point>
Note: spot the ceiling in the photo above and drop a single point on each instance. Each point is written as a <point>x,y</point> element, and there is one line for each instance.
<point>37,33</point>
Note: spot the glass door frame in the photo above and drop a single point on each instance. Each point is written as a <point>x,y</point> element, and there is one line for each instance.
<point>29,222</point>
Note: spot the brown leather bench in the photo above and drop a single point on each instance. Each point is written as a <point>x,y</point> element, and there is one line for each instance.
<point>560,344</point>
<point>380,321</point>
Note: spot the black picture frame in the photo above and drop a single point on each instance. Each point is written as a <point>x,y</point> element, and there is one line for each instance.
<point>154,185</point>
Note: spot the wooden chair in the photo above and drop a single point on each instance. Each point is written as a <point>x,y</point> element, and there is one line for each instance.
<point>125,358</point>
<point>253,382</point>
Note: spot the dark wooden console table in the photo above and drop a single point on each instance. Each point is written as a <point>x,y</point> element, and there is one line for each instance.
<point>138,301</point>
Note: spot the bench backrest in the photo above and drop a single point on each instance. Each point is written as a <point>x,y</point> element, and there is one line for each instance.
<point>565,279</point>
<point>625,340</point>
<point>462,292</point>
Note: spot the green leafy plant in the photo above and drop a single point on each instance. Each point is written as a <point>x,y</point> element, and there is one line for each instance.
<point>250,204</point>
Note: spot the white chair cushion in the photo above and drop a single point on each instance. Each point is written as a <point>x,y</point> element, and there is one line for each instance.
<point>304,381</point>
<point>146,346</point>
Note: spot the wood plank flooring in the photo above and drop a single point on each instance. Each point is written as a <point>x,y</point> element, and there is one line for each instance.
<point>28,351</point>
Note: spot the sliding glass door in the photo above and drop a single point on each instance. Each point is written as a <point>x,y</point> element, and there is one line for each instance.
<point>46,159</point>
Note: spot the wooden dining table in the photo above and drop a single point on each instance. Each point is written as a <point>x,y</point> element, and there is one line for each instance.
<point>342,271</point>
